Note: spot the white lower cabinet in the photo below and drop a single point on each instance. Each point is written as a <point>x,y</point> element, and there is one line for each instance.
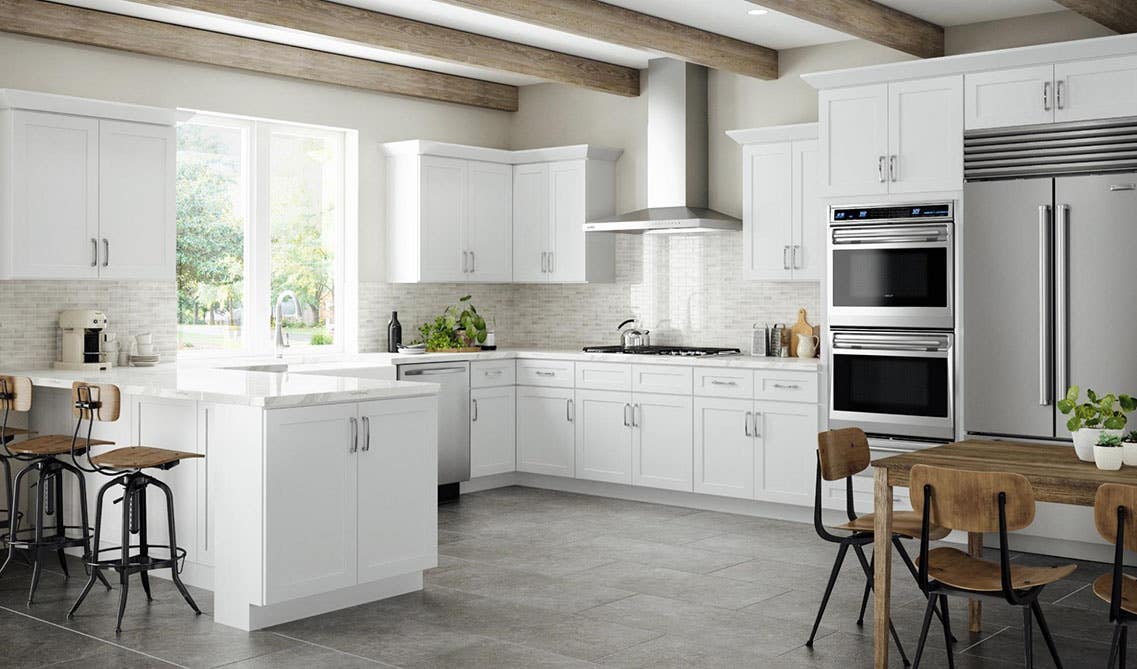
<point>545,431</point>
<point>493,431</point>
<point>724,447</point>
<point>604,436</point>
<point>662,437</point>
<point>787,437</point>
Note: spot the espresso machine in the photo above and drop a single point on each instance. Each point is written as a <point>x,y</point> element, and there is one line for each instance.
<point>82,330</point>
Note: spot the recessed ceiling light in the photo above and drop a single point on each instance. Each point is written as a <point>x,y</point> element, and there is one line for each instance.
<point>758,12</point>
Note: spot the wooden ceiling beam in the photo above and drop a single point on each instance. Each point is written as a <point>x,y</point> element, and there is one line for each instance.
<point>1117,15</point>
<point>84,26</point>
<point>395,33</point>
<point>869,21</point>
<point>616,25</point>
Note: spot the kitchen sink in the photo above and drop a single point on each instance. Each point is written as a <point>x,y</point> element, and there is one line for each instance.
<point>265,367</point>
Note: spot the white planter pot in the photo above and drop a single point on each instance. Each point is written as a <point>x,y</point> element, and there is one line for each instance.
<point>1084,440</point>
<point>1108,457</point>
<point>1129,457</point>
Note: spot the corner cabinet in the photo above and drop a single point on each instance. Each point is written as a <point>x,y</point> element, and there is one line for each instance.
<point>896,138</point>
<point>782,221</point>
<point>88,189</point>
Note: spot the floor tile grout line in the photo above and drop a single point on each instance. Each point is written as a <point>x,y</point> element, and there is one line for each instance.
<point>1071,594</point>
<point>331,648</point>
<point>92,637</point>
<point>986,638</point>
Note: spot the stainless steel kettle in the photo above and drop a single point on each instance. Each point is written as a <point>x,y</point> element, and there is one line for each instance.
<point>633,336</point>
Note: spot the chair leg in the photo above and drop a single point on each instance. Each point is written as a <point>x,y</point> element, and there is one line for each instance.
<point>85,524</point>
<point>14,513</point>
<point>944,619</point>
<point>864,602</point>
<point>83,595</point>
<point>124,561</point>
<point>924,632</point>
<point>1028,641</point>
<point>891,628</point>
<point>96,573</point>
<point>41,495</point>
<point>124,586</point>
<point>1036,609</point>
<point>947,630</point>
<point>1122,646</point>
<point>828,591</point>
<point>174,576</point>
<point>57,491</point>
<point>144,551</point>
<point>1117,626</point>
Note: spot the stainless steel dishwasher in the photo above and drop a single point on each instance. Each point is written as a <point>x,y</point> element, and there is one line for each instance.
<point>453,419</point>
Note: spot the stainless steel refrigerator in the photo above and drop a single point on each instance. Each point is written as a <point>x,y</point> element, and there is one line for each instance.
<point>1050,298</point>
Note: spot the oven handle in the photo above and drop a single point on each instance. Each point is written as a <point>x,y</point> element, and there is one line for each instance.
<point>847,341</point>
<point>889,235</point>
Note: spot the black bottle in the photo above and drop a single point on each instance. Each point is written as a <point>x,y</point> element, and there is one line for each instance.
<point>394,333</point>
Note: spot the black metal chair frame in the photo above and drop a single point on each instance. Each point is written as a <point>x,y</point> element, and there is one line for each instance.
<point>134,484</point>
<point>1117,615</point>
<point>857,541</point>
<point>1025,598</point>
<point>49,502</point>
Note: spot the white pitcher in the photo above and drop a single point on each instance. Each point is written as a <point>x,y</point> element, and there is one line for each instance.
<point>807,345</point>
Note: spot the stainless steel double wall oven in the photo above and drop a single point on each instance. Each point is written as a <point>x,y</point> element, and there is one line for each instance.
<point>891,314</point>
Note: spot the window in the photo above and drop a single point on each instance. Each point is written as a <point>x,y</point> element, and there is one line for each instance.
<point>260,216</point>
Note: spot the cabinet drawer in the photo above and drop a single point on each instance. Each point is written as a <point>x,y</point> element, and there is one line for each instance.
<point>603,376</point>
<point>785,386</point>
<point>494,373</point>
<point>724,382</point>
<point>661,379</point>
<point>555,373</point>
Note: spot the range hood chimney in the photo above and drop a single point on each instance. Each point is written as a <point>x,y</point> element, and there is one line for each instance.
<point>676,157</point>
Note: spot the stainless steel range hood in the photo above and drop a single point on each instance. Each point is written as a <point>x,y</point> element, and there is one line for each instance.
<point>676,157</point>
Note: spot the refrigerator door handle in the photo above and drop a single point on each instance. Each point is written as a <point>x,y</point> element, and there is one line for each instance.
<point>1044,305</point>
<point>1061,298</point>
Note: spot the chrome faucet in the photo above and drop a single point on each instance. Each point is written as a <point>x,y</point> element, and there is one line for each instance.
<point>281,336</point>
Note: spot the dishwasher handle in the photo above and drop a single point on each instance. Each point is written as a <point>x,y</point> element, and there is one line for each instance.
<point>434,372</point>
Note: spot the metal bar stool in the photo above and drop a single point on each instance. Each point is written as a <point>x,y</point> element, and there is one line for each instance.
<point>101,402</point>
<point>42,455</point>
<point>7,434</point>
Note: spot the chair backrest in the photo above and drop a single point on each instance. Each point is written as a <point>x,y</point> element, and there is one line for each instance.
<point>842,453</point>
<point>106,394</point>
<point>1109,497</point>
<point>19,391</point>
<point>969,501</point>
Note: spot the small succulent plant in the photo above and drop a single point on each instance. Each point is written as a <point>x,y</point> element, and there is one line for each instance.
<point>1109,440</point>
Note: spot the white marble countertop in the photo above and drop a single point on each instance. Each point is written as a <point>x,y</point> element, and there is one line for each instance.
<point>228,386</point>
<point>743,361</point>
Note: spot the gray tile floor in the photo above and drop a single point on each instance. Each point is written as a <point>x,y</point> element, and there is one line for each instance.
<point>535,578</point>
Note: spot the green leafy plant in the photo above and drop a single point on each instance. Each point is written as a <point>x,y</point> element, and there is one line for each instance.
<point>1109,440</point>
<point>321,339</point>
<point>459,325</point>
<point>1130,438</point>
<point>1104,411</point>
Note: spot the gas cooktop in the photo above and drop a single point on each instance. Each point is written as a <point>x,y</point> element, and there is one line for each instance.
<point>686,351</point>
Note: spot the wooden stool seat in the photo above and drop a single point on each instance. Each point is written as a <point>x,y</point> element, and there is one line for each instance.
<point>54,444</point>
<point>1103,588</point>
<point>904,523</point>
<point>953,567</point>
<point>140,457</point>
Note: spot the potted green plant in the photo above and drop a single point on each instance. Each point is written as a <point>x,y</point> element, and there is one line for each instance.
<point>1108,453</point>
<point>1090,419</point>
<point>1129,448</point>
<point>457,328</point>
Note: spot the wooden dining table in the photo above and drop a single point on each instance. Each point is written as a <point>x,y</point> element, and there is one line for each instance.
<point>1054,471</point>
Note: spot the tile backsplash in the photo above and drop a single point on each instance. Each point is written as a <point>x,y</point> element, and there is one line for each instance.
<point>686,289</point>
<point>29,315</point>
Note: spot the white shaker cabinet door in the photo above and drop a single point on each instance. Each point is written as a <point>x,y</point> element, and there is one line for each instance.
<point>55,196</point>
<point>531,241</point>
<point>1022,96</point>
<point>767,211</point>
<point>545,433</point>
<point>663,441</point>
<point>492,431</point>
<point>724,447</point>
<point>925,127</point>
<point>136,201</point>
<point>853,133</point>
<point>442,217</point>
<point>566,221</point>
<point>310,501</point>
<point>787,438</point>
<point>172,424</point>
<point>396,538</point>
<point>1095,89</point>
<point>604,436</point>
<point>489,224</point>
<point>809,224</point>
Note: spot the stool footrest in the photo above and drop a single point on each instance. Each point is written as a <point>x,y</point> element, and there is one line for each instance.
<point>24,538</point>
<point>136,563</point>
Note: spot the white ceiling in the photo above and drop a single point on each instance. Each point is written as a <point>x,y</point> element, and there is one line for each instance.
<point>727,17</point>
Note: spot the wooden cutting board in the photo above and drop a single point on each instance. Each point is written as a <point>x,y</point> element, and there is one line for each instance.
<point>801,327</point>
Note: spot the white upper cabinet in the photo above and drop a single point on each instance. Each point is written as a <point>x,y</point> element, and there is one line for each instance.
<point>902,137</point>
<point>442,217</point>
<point>85,196</point>
<point>1081,90</point>
<point>530,222</point>
<point>782,223</point>
<point>489,230</point>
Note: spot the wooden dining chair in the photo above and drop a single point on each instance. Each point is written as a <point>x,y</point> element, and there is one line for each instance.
<point>1115,515</point>
<point>841,454</point>
<point>972,501</point>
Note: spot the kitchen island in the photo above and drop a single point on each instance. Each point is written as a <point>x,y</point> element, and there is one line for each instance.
<point>316,493</point>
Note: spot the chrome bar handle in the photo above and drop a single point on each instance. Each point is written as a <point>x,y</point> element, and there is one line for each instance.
<point>880,169</point>
<point>354,435</point>
<point>793,256</point>
<point>746,424</point>
<point>755,420</point>
<point>366,433</point>
<point>635,415</point>
<point>627,410</point>
<point>1061,299</point>
<point>1044,305</point>
<point>106,252</point>
<point>552,262</point>
<point>570,410</point>
<point>785,257</point>
<point>1046,96</point>
<point>892,167</point>
<point>94,252</point>
<point>473,262</point>
<point>1059,87</point>
<point>543,265</point>
<point>474,418</point>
